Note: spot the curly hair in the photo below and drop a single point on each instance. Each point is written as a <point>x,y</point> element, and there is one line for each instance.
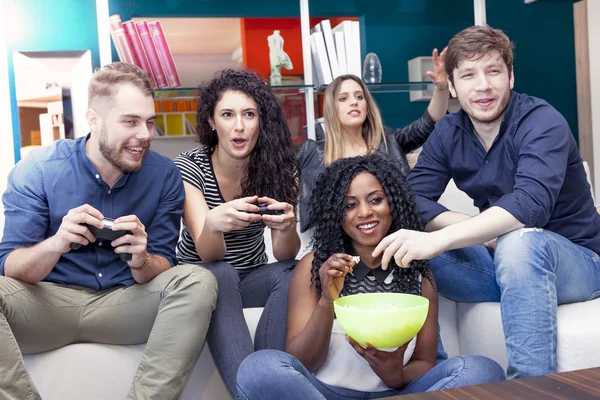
<point>273,167</point>
<point>327,212</point>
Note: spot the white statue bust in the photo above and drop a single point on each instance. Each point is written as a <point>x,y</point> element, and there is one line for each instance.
<point>278,57</point>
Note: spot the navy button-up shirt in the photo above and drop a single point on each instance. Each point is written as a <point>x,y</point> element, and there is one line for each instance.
<point>46,184</point>
<point>533,170</point>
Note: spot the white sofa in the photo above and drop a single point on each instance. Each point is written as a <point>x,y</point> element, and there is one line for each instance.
<point>95,371</point>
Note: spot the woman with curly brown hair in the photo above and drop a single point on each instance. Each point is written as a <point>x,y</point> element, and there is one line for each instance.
<point>357,201</point>
<point>246,159</point>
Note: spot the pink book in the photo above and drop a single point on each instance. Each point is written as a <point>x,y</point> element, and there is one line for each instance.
<point>164,53</point>
<point>137,48</point>
<point>120,40</point>
<point>152,54</point>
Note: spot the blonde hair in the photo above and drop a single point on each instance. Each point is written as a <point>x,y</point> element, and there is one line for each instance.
<point>106,80</point>
<point>372,128</point>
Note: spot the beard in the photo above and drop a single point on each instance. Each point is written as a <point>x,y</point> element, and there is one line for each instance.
<point>112,153</point>
<point>498,114</point>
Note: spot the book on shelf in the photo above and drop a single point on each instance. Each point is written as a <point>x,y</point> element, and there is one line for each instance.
<point>356,61</point>
<point>319,58</point>
<point>137,48</point>
<point>164,54</point>
<point>330,48</point>
<point>340,49</point>
<point>335,51</point>
<point>351,36</point>
<point>151,52</point>
<point>316,61</point>
<point>120,39</point>
<point>316,79</point>
<point>190,129</point>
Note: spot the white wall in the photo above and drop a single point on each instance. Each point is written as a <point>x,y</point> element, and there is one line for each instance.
<point>81,74</point>
<point>593,8</point>
<point>7,159</point>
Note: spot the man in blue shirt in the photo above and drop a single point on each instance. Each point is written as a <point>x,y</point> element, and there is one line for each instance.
<point>52,295</point>
<point>515,156</point>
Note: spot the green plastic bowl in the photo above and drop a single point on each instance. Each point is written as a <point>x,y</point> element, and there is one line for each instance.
<point>383,329</point>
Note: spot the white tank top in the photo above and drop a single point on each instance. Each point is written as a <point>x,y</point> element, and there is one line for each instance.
<point>345,368</point>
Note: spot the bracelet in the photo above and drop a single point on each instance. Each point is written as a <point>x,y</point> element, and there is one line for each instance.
<point>144,265</point>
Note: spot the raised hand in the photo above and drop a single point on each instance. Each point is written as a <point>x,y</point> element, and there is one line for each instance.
<point>332,274</point>
<point>233,215</point>
<point>438,75</point>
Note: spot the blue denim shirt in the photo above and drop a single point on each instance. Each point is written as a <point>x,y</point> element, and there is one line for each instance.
<point>50,181</point>
<point>533,170</point>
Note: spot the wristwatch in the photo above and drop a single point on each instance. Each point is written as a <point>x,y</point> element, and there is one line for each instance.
<point>144,265</point>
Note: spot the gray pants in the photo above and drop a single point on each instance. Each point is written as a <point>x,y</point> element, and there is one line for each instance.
<point>171,313</point>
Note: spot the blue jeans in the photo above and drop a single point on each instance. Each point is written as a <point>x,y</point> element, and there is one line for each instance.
<point>530,273</point>
<point>272,374</point>
<point>228,336</point>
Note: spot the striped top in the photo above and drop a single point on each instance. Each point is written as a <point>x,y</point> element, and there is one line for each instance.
<point>245,248</point>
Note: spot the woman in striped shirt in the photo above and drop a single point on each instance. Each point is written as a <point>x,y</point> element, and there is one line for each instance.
<point>357,202</point>
<point>246,159</point>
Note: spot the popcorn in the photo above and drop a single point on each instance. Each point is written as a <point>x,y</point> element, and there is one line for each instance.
<point>356,259</point>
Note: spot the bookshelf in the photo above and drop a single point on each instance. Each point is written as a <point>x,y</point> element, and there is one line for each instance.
<point>176,110</point>
<point>301,100</point>
<point>176,107</point>
<point>395,87</point>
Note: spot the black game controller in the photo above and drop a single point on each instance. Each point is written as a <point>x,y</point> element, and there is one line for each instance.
<point>106,233</point>
<point>262,210</point>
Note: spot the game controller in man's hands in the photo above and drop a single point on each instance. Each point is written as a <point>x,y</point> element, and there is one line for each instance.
<point>263,210</point>
<point>106,233</point>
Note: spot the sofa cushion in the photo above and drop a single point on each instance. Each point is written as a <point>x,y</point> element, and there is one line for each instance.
<point>447,319</point>
<point>480,332</point>
<point>99,371</point>
<point>578,334</point>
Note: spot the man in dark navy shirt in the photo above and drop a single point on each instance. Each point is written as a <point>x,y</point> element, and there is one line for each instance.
<point>52,295</point>
<point>515,156</point>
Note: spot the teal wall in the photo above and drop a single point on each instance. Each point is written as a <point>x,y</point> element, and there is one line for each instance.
<point>545,50</point>
<point>396,30</point>
<point>56,25</point>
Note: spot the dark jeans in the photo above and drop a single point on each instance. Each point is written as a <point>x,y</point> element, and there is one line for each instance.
<point>228,336</point>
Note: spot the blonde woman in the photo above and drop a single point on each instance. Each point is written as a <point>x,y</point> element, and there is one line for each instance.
<point>353,127</point>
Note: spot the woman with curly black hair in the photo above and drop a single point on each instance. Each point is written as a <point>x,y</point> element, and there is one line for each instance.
<point>357,202</point>
<point>246,159</point>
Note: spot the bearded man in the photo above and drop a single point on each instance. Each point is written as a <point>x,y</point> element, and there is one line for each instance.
<point>60,284</point>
